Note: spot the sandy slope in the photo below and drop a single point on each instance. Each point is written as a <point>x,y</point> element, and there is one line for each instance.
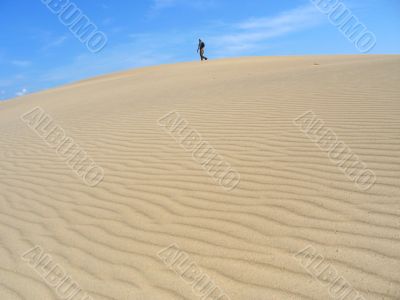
<point>154,194</point>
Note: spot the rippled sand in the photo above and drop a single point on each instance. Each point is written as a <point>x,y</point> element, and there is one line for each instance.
<point>155,194</point>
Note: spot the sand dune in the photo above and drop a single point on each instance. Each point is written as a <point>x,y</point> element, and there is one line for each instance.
<point>291,195</point>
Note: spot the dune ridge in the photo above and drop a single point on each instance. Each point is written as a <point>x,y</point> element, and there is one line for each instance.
<point>155,194</point>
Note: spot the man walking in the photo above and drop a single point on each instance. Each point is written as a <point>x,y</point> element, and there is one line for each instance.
<point>201,48</point>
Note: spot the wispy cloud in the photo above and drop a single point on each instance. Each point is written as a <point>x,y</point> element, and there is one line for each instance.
<point>11,80</point>
<point>56,42</point>
<point>2,94</point>
<point>225,39</point>
<point>254,32</point>
<point>21,63</point>
<point>141,50</point>
<point>107,21</point>
<point>159,5</point>
<point>5,82</point>
<point>302,16</point>
<point>22,92</point>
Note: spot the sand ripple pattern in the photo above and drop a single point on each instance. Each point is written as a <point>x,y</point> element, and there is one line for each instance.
<point>154,194</point>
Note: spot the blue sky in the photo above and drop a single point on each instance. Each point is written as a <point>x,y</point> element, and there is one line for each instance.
<point>38,52</point>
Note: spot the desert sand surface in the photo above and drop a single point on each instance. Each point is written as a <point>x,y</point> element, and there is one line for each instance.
<point>154,194</point>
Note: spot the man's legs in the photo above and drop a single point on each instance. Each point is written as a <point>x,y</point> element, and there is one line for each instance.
<point>202,54</point>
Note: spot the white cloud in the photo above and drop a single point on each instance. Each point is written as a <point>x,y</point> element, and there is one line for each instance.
<point>251,36</point>
<point>5,82</point>
<point>56,42</point>
<point>255,32</point>
<point>107,21</point>
<point>141,50</point>
<point>21,63</point>
<point>301,16</point>
<point>159,5</point>
<point>11,80</point>
<point>22,92</point>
